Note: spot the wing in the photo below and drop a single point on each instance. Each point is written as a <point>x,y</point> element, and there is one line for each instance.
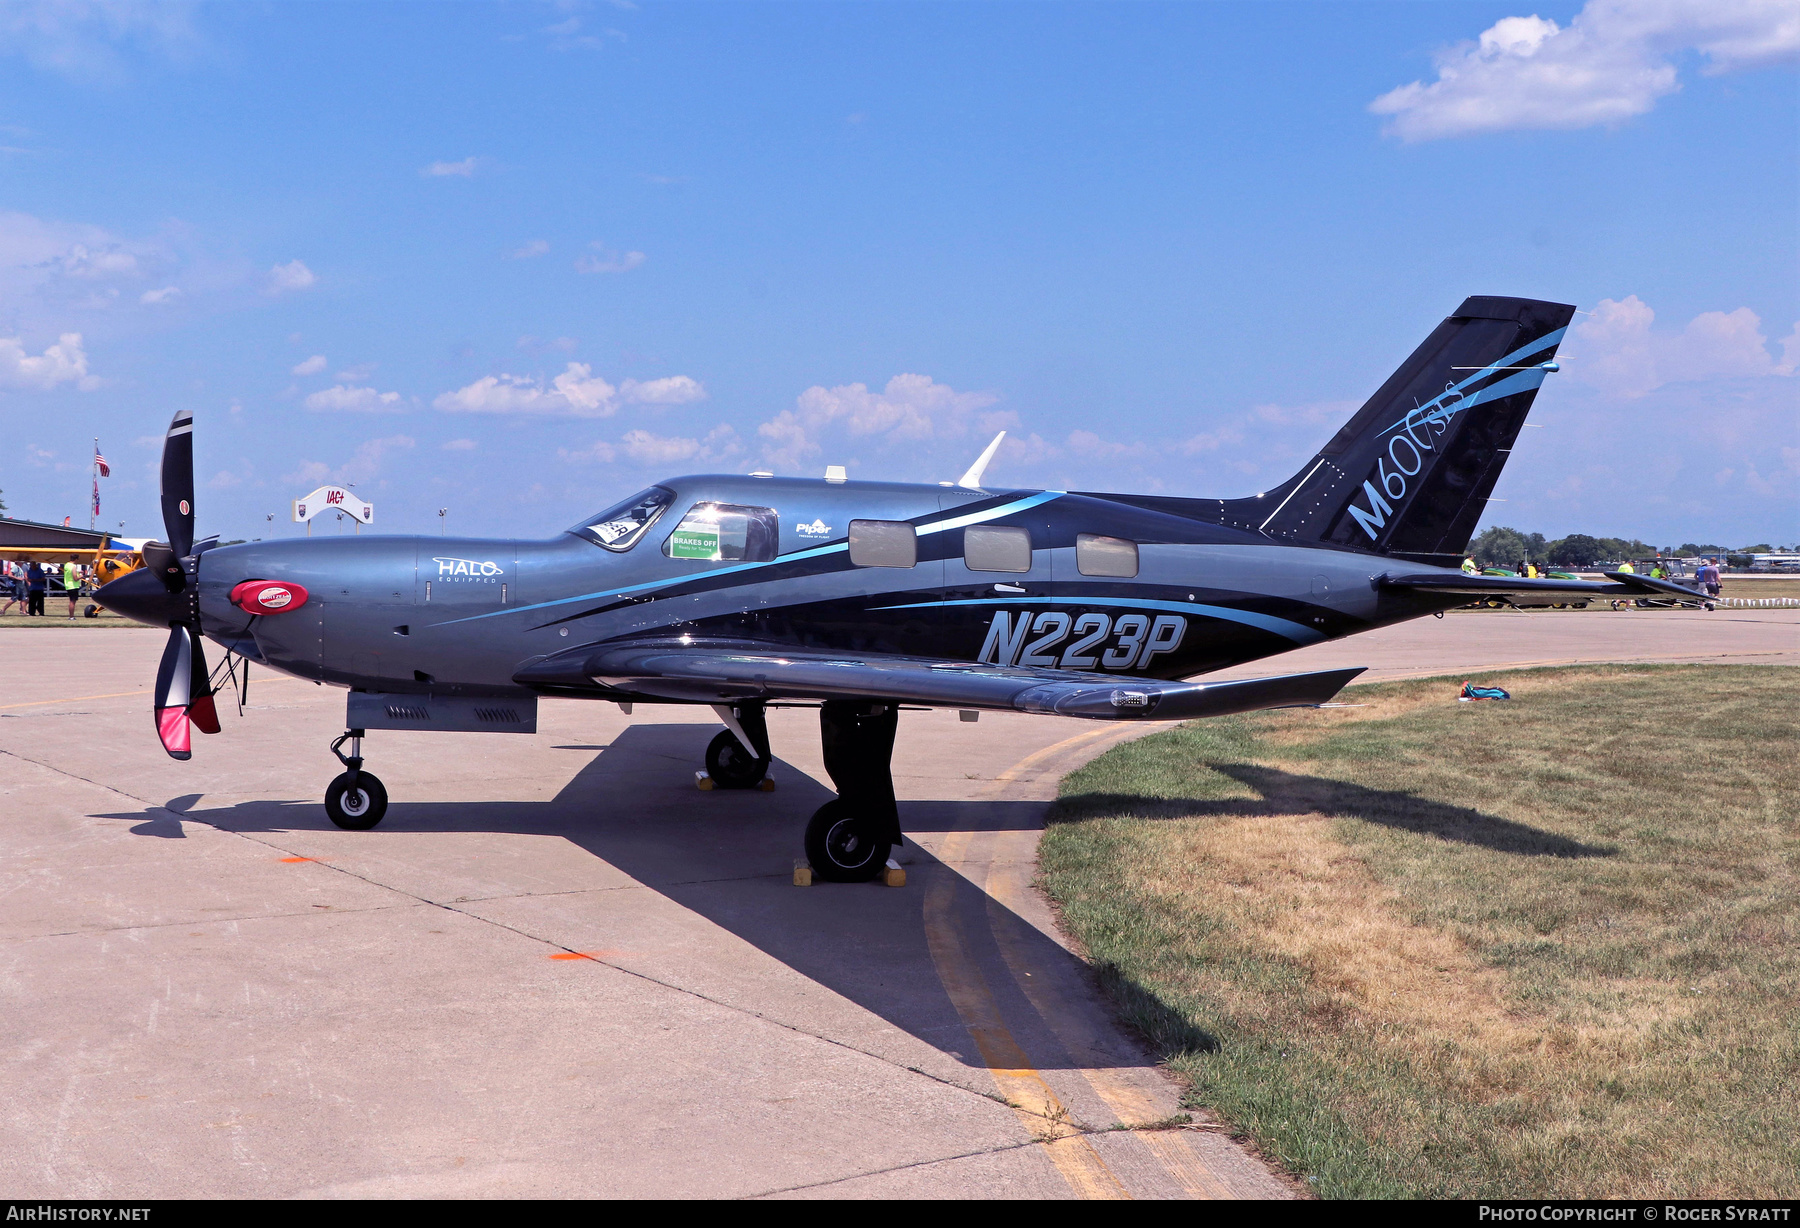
<point>721,671</point>
<point>1624,584</point>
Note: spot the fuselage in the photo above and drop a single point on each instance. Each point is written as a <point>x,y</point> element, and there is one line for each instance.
<point>454,615</point>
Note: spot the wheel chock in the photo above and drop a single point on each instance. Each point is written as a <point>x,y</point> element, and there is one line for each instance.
<point>766,785</point>
<point>703,781</point>
<point>803,873</point>
<point>894,874</point>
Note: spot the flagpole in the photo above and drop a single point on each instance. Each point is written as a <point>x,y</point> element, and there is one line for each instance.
<point>94,507</point>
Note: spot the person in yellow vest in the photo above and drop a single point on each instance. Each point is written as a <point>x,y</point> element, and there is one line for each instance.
<point>72,585</point>
<point>1626,566</point>
<point>1469,567</point>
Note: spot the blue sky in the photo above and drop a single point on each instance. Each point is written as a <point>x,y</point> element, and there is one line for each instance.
<point>519,260</point>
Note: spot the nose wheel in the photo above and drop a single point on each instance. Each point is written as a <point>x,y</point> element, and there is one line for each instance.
<point>733,767</point>
<point>356,800</point>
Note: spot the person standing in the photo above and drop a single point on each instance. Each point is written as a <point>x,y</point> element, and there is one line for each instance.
<point>71,577</point>
<point>35,584</point>
<point>13,581</point>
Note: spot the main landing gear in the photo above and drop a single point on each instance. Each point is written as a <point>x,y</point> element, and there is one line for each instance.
<point>849,838</point>
<point>356,800</point>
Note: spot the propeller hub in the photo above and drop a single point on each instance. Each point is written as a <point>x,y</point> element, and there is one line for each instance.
<point>142,597</point>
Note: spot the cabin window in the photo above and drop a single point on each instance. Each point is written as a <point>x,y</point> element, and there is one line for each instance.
<point>989,547</point>
<point>724,533</point>
<point>883,543</point>
<point>619,527</point>
<point>1105,556</point>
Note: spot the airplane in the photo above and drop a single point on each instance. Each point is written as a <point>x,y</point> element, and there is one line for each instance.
<point>742,592</point>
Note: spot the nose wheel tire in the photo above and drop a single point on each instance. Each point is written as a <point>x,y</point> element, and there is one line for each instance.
<point>731,766</point>
<point>843,846</point>
<point>358,808</point>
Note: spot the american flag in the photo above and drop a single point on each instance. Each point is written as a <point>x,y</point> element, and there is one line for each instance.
<point>100,463</point>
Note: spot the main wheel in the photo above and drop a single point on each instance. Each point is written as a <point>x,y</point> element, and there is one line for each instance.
<point>731,766</point>
<point>356,809</point>
<point>843,846</point>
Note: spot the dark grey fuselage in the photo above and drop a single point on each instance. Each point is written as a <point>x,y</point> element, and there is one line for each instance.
<point>464,616</point>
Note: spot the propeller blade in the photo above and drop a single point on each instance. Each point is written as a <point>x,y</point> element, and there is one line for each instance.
<point>201,709</point>
<point>178,484</point>
<point>174,680</point>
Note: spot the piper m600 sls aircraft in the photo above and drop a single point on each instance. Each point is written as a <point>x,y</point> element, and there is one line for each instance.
<point>865,597</point>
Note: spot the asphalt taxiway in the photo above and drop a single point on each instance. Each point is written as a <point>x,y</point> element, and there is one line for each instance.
<point>559,969</point>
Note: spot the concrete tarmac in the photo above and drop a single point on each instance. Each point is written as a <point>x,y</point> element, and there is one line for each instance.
<point>558,969</point>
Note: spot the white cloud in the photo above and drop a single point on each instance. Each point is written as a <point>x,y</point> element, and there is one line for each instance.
<point>364,464</point>
<point>290,276</point>
<point>606,260</point>
<point>62,363</point>
<point>601,452</point>
<point>358,374</point>
<point>911,408</point>
<point>1616,351</point>
<point>567,35</point>
<point>537,345</point>
<point>311,366</point>
<point>224,479</point>
<point>1610,63</point>
<point>153,298</point>
<point>111,261</point>
<point>576,393</point>
<point>437,170</point>
<point>82,41</point>
<point>343,398</point>
<point>1090,446</point>
<point>720,444</point>
<point>536,247</point>
<point>674,390</point>
<point>458,445</point>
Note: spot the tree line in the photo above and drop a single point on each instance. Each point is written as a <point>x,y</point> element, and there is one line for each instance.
<point>1504,547</point>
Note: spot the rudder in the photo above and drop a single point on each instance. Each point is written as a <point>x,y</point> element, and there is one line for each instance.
<point>1410,474</point>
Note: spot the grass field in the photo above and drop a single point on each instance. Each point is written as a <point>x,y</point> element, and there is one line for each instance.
<point>1538,948</point>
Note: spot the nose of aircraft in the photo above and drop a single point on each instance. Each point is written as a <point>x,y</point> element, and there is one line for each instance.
<point>142,597</point>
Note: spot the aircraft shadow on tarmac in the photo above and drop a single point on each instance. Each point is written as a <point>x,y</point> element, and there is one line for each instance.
<point>1288,793</point>
<point>728,856</point>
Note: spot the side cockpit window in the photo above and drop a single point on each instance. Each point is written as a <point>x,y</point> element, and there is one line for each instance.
<point>724,533</point>
<point>619,527</point>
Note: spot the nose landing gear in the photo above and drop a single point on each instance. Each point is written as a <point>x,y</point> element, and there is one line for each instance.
<point>730,763</point>
<point>356,800</point>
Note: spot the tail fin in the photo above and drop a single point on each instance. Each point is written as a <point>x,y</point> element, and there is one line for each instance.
<point>1411,473</point>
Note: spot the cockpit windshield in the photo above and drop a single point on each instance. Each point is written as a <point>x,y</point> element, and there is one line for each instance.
<point>619,527</point>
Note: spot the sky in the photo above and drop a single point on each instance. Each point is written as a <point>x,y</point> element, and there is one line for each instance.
<point>516,261</point>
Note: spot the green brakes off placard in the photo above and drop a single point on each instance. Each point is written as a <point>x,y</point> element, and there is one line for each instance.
<point>694,544</point>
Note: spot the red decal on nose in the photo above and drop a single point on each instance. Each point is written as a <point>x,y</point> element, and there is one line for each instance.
<point>268,597</point>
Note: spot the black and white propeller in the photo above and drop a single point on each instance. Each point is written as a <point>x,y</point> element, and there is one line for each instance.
<point>166,591</point>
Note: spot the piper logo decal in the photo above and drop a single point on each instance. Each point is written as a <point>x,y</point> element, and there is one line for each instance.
<point>1135,639</point>
<point>818,528</point>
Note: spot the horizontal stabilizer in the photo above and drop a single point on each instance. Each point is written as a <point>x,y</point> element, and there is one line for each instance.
<point>1624,584</point>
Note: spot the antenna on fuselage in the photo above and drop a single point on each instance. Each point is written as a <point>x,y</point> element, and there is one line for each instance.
<point>972,479</point>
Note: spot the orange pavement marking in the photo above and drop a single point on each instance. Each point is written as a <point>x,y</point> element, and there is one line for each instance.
<point>596,956</point>
<point>291,860</point>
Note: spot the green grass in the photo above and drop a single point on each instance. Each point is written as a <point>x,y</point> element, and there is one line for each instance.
<point>1543,948</point>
